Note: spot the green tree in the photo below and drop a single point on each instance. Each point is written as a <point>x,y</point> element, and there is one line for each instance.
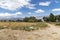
<point>58,17</point>
<point>46,19</point>
<point>18,20</point>
<point>30,19</point>
<point>52,17</point>
<point>26,19</point>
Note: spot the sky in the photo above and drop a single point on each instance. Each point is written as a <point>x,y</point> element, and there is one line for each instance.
<point>26,8</point>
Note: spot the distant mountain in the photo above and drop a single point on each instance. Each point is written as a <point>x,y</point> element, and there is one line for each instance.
<point>12,18</point>
<point>16,18</point>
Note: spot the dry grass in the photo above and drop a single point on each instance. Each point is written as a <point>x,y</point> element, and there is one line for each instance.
<point>23,25</point>
<point>16,24</point>
<point>55,23</point>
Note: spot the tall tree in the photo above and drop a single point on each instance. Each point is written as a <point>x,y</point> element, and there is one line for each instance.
<point>52,17</point>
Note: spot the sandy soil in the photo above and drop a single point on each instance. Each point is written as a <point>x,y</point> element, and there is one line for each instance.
<point>50,33</point>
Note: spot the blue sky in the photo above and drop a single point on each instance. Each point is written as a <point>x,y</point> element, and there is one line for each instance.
<point>26,8</point>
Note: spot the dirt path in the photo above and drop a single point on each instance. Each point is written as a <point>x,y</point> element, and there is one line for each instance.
<point>50,33</point>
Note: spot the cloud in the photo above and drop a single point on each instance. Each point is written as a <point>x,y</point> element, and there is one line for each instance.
<point>14,4</point>
<point>39,11</point>
<point>29,13</point>
<point>31,6</point>
<point>5,15</point>
<point>56,9</point>
<point>47,3</point>
<point>18,13</point>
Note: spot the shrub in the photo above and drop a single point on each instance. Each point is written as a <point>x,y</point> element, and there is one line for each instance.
<point>42,25</point>
<point>1,27</point>
<point>26,28</point>
<point>58,24</point>
<point>31,28</point>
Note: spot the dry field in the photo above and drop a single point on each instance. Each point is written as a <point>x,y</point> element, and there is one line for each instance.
<point>50,33</point>
<point>16,24</point>
<point>22,25</point>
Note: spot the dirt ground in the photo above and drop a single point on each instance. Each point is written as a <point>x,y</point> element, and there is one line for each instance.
<point>50,33</point>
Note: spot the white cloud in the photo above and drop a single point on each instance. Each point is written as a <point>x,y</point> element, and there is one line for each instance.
<point>14,4</point>
<point>56,9</point>
<point>39,11</point>
<point>18,13</point>
<point>47,3</point>
<point>29,13</point>
<point>10,15</point>
<point>31,6</point>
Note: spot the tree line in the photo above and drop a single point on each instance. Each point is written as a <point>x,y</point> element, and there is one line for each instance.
<point>26,19</point>
<point>50,18</point>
